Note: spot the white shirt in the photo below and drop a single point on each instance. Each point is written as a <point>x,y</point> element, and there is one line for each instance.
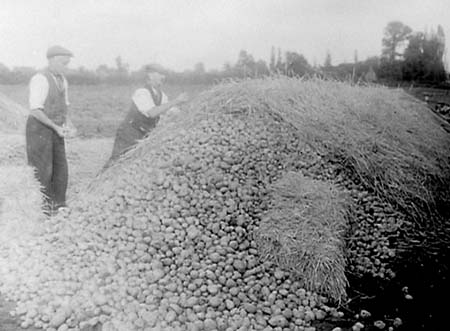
<point>39,91</point>
<point>144,101</point>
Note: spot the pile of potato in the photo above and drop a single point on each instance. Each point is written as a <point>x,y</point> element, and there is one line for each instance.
<point>13,149</point>
<point>164,240</point>
<point>373,241</point>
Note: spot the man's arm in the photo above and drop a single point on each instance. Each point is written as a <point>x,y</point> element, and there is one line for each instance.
<point>70,131</point>
<point>158,110</point>
<point>41,117</point>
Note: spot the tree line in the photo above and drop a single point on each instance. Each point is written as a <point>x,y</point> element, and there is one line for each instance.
<point>287,63</point>
<point>413,56</point>
<point>406,56</point>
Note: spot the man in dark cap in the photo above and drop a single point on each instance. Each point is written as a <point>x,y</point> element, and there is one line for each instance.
<point>48,125</point>
<point>148,103</point>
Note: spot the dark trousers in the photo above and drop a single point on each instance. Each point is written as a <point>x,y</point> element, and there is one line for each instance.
<point>126,137</point>
<point>47,154</point>
<point>133,128</point>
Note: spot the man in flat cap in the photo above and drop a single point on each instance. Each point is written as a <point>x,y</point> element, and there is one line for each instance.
<point>48,125</point>
<point>148,104</point>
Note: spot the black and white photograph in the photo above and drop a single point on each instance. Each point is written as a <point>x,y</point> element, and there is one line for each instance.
<point>224,165</point>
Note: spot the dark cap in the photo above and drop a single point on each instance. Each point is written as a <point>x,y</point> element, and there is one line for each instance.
<point>58,50</point>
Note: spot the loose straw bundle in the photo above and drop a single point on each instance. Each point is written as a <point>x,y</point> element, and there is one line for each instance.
<point>303,233</point>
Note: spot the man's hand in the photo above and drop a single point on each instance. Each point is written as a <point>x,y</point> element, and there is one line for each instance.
<point>183,97</point>
<point>173,111</point>
<point>69,131</point>
<point>61,131</point>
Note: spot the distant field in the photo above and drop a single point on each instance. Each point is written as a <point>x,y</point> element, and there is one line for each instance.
<point>98,109</point>
<point>437,99</point>
<point>435,95</point>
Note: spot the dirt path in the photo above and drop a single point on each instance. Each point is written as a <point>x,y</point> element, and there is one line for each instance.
<point>86,157</point>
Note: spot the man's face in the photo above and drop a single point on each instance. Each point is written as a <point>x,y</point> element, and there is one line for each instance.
<point>155,79</point>
<point>60,63</point>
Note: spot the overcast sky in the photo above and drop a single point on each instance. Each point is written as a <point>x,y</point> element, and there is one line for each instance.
<point>180,33</point>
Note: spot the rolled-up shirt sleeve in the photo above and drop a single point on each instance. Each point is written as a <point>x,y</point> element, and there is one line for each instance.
<point>143,100</point>
<point>38,91</point>
<point>164,98</point>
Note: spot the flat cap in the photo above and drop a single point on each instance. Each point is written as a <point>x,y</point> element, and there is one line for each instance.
<point>58,50</point>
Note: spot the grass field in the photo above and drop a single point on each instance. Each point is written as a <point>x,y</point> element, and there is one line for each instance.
<point>97,110</point>
<point>437,95</point>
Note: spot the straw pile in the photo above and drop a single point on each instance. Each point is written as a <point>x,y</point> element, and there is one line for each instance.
<point>13,149</point>
<point>390,143</point>
<point>304,230</point>
<point>20,203</point>
<point>12,115</point>
<point>12,128</point>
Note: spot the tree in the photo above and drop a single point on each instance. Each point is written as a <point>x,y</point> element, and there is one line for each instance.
<point>371,64</point>
<point>21,74</point>
<point>424,57</point>
<point>122,73</point>
<point>370,76</point>
<point>279,67</point>
<point>440,36</point>
<point>82,76</point>
<point>390,70</point>
<point>199,68</point>
<point>433,53</point>
<point>103,72</point>
<point>327,62</point>
<point>121,66</point>
<point>296,64</point>
<point>261,68</point>
<point>245,65</point>
<point>199,75</point>
<point>272,65</point>
<point>395,36</point>
<point>4,74</point>
<point>227,70</point>
<point>413,66</point>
